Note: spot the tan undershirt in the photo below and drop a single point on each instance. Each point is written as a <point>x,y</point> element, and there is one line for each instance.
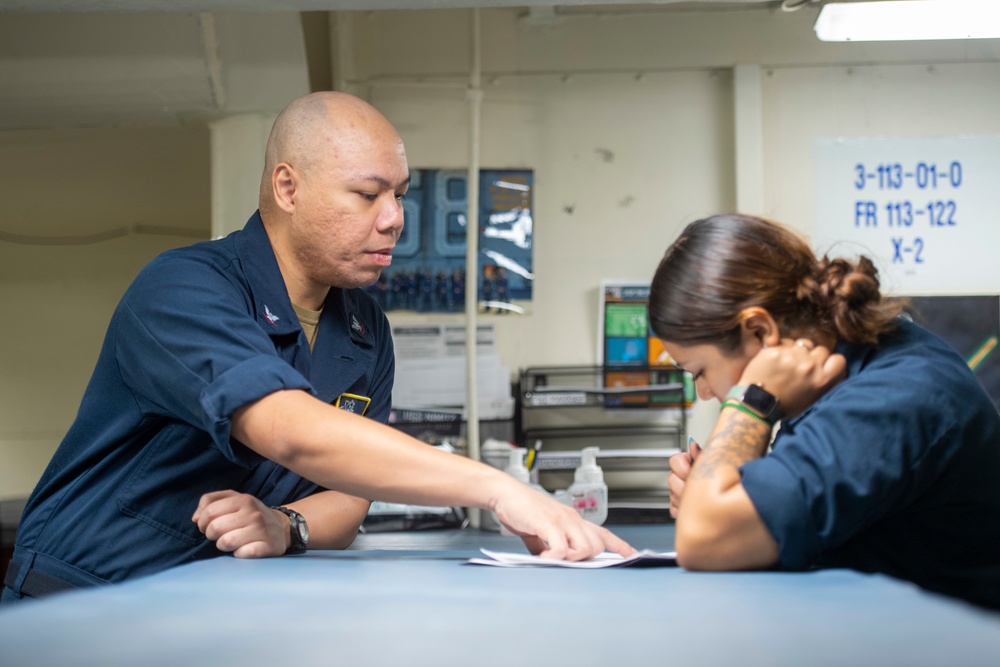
<point>309,319</point>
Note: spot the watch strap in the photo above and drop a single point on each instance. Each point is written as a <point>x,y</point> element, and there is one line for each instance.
<point>745,410</point>
<point>297,529</point>
<point>755,401</point>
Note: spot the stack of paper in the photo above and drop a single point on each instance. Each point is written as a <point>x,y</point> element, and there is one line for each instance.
<point>644,558</point>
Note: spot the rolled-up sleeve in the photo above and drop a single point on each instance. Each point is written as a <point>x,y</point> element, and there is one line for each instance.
<point>195,352</point>
<point>781,500</point>
<point>854,457</point>
<point>241,385</point>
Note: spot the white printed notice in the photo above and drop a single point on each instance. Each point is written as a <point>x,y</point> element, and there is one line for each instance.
<point>927,211</point>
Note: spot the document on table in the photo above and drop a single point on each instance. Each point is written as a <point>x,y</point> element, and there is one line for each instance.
<point>644,558</point>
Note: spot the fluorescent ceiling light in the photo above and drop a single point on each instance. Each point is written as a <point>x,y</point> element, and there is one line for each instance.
<point>891,20</point>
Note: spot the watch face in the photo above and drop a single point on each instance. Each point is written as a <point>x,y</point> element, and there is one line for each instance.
<point>760,400</point>
<point>298,528</point>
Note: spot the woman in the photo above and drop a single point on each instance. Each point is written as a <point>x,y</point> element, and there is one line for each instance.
<point>887,458</point>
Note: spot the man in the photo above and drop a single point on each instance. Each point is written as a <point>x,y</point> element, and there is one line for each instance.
<point>225,411</point>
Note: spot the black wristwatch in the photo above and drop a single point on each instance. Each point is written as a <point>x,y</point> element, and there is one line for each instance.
<point>299,530</point>
<point>761,402</point>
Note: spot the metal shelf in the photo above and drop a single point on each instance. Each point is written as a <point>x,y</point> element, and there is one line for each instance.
<point>635,414</point>
<point>644,400</point>
<point>612,387</point>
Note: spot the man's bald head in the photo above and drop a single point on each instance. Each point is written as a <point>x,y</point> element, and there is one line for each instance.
<point>318,126</point>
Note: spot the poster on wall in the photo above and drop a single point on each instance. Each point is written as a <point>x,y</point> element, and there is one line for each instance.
<point>925,210</point>
<point>632,356</point>
<point>428,272</point>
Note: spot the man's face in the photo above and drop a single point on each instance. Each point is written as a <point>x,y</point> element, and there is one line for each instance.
<point>348,206</point>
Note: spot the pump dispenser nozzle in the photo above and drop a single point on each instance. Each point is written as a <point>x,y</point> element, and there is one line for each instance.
<point>515,465</point>
<point>588,471</point>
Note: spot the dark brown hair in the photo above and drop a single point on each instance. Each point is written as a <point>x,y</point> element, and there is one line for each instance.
<point>725,263</point>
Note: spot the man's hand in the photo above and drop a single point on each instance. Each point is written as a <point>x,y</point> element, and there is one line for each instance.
<point>367,459</point>
<point>680,468</point>
<point>241,524</point>
<point>552,530</point>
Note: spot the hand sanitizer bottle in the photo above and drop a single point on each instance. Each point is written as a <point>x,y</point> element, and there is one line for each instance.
<point>516,469</point>
<point>588,492</point>
<point>515,465</point>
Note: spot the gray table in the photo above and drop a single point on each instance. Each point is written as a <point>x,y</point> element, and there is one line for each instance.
<point>410,599</point>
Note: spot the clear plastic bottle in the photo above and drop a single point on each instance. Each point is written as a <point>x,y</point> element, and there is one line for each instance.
<point>516,469</point>
<point>515,465</point>
<point>588,493</point>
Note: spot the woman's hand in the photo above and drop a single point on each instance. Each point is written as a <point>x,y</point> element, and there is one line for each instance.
<point>797,371</point>
<point>680,468</point>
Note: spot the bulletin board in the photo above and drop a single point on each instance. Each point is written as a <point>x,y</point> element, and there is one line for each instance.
<point>632,356</point>
<point>429,262</point>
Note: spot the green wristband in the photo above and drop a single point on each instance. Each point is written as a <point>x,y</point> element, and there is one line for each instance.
<point>744,409</point>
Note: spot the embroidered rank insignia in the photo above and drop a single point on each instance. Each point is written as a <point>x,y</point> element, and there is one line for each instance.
<point>356,325</point>
<point>353,403</point>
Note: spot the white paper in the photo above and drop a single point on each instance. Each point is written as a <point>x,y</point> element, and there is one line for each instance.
<point>644,558</point>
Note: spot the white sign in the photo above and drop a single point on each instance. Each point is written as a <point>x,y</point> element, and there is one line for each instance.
<point>927,211</point>
<point>431,374</point>
<point>437,341</point>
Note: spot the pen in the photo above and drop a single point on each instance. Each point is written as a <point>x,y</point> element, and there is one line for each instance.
<point>533,455</point>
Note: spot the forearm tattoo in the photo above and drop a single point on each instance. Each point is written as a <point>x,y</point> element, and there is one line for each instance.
<point>740,439</point>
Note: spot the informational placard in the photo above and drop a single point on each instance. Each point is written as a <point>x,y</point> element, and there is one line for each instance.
<point>926,210</point>
<point>631,354</point>
<point>431,373</point>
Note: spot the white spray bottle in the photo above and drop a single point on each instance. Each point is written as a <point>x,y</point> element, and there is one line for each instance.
<point>588,492</point>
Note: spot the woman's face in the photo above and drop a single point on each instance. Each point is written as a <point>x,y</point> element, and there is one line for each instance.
<point>715,372</point>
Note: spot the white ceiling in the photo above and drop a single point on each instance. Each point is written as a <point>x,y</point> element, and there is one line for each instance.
<point>99,63</point>
<point>133,6</point>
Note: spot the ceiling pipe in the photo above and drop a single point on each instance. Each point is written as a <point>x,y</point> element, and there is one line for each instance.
<point>210,44</point>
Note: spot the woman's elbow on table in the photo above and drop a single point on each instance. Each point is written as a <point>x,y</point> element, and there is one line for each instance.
<point>723,536</point>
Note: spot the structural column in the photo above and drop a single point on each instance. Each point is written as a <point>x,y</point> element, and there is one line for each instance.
<point>748,114</point>
<point>237,154</point>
